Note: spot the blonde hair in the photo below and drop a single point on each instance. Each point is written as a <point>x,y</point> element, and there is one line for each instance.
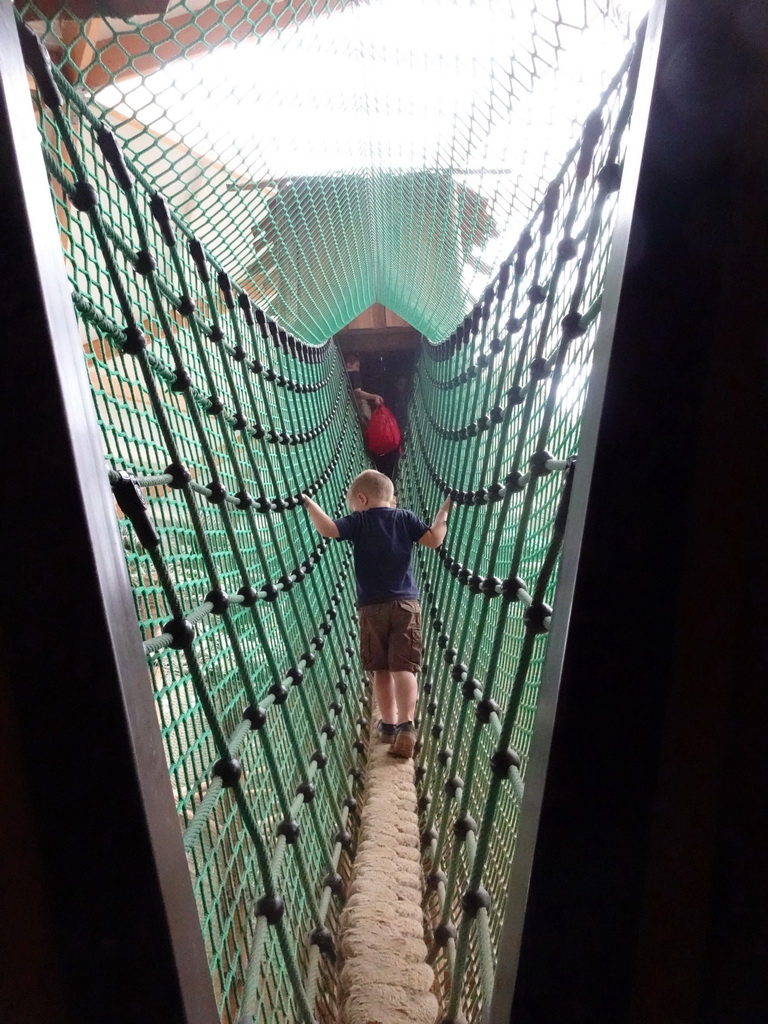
<point>377,486</point>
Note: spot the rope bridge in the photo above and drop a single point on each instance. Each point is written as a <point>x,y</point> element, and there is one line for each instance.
<point>215,419</point>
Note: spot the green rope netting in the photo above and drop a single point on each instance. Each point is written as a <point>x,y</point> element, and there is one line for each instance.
<point>214,419</point>
<point>495,423</point>
<point>338,153</point>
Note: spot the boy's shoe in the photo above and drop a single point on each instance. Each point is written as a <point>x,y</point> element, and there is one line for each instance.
<point>386,731</point>
<point>405,740</point>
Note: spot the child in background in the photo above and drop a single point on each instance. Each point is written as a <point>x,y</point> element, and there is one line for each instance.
<point>352,365</point>
<point>387,597</point>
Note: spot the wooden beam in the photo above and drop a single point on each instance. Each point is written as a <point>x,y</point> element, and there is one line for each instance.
<point>78,42</point>
<point>82,10</point>
<point>388,339</point>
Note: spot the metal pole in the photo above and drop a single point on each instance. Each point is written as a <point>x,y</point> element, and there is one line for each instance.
<point>110,897</point>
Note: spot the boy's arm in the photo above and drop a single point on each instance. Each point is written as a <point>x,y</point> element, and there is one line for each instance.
<point>323,523</point>
<point>435,535</point>
<point>376,399</point>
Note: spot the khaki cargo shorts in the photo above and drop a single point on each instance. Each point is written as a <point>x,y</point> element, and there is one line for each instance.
<point>390,636</point>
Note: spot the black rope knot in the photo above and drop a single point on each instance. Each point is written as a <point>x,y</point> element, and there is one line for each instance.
<point>463,826</point>
<point>179,474</point>
<point>538,463</point>
<point>428,836</point>
<point>510,586</point>
<point>334,882</point>
<point>485,708</point>
<point>84,196</point>
<point>162,214</point>
<point>225,287</point>
<point>572,326</point>
<point>256,715</point>
<point>609,178</point>
<point>186,305</point>
<point>135,340</point>
<point>218,492</point>
<point>290,829</point>
<point>535,616</point>
<point>279,693</point>
<point>436,878</point>
<point>474,900</point>
<point>323,939</point>
<point>502,760</point>
<point>218,599</point>
<point>270,907</point>
<point>567,248</point>
<point>197,253</point>
<point>113,154</point>
<point>229,770</point>
<point>453,784</point>
<point>182,380</point>
<point>249,595</point>
<point>182,633</point>
<point>445,933</point>
<point>144,263</point>
<point>344,838</point>
<point>491,587</point>
<point>468,688</point>
<point>539,368</point>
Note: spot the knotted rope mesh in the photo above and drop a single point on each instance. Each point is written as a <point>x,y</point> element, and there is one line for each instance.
<point>187,251</point>
<point>341,152</point>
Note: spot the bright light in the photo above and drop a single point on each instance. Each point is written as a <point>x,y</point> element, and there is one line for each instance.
<point>394,84</point>
<point>493,91</point>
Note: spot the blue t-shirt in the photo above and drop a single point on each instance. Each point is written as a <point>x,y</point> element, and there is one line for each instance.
<point>383,540</point>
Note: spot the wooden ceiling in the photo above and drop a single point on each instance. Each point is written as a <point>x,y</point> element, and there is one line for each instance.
<point>378,329</point>
<point>95,52</point>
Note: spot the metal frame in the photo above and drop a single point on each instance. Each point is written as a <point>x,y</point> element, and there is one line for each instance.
<point>639,888</point>
<point>105,927</point>
<point>637,891</point>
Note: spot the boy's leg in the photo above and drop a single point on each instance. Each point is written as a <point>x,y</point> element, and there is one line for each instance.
<point>373,653</point>
<point>384,692</point>
<point>404,659</point>
<point>404,742</point>
<point>405,695</point>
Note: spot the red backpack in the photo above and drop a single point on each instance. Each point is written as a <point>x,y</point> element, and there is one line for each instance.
<point>382,435</point>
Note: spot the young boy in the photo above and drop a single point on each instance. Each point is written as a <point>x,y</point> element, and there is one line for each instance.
<point>387,597</point>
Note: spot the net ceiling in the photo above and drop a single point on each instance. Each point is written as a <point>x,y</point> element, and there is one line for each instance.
<point>337,153</point>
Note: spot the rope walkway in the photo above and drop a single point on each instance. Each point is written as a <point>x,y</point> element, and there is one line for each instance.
<point>385,978</point>
<point>215,418</point>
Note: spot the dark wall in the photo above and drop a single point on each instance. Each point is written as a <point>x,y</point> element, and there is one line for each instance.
<point>640,889</point>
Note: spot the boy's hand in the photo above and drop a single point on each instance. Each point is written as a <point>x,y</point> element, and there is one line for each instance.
<point>435,535</point>
<point>323,523</point>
